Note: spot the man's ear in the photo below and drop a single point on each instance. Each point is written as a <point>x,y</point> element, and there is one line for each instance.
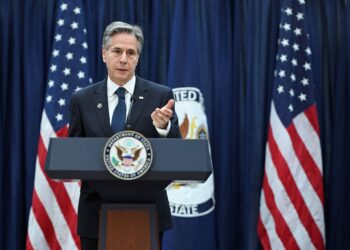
<point>104,55</point>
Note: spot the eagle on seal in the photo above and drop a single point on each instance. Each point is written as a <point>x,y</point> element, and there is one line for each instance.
<point>128,156</point>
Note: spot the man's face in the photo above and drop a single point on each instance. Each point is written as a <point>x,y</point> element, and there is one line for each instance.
<point>121,58</point>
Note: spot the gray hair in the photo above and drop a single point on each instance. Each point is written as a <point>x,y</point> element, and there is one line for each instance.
<point>121,27</point>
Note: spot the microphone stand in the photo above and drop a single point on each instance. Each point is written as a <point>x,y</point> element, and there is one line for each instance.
<point>128,125</point>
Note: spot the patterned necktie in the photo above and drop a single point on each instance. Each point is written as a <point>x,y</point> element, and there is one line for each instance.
<point>119,113</point>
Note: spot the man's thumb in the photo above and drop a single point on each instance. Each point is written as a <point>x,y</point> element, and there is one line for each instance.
<point>170,104</point>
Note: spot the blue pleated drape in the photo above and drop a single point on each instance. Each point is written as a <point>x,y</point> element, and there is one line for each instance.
<point>225,48</point>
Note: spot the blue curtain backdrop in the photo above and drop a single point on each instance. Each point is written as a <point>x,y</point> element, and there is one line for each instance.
<point>227,49</point>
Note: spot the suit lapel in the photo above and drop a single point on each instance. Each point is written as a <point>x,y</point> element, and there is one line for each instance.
<point>101,105</point>
<point>141,93</point>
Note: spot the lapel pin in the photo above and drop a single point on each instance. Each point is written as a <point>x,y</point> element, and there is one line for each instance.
<point>141,97</point>
<point>99,106</point>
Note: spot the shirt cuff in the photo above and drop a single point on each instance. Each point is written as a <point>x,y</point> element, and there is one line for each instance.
<point>164,132</point>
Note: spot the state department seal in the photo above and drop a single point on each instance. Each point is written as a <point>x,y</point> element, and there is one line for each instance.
<point>128,155</point>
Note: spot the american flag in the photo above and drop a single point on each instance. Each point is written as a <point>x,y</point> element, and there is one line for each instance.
<point>291,202</point>
<point>53,215</point>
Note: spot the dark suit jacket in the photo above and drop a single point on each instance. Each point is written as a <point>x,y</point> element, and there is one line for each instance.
<point>89,121</point>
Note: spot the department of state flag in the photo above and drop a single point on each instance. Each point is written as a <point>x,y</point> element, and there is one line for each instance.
<point>192,204</point>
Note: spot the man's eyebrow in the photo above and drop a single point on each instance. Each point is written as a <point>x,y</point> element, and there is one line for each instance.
<point>118,47</point>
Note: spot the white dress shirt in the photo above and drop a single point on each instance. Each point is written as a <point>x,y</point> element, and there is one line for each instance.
<point>113,99</point>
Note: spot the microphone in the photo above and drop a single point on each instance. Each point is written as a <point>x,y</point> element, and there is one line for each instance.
<point>128,126</point>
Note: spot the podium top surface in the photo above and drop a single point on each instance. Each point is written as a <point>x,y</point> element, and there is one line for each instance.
<point>173,159</point>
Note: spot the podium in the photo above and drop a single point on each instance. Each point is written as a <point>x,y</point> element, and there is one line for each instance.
<point>128,211</point>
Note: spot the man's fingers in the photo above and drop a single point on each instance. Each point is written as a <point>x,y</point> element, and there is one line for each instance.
<point>164,112</point>
<point>159,120</point>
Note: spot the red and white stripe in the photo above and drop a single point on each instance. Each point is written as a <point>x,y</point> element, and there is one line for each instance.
<point>53,215</point>
<point>291,204</point>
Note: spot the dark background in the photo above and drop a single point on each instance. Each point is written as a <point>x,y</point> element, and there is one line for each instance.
<point>227,49</point>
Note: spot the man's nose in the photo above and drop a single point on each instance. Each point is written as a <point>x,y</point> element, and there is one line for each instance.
<point>123,57</point>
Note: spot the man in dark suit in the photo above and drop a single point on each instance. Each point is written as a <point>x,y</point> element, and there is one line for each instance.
<point>147,108</point>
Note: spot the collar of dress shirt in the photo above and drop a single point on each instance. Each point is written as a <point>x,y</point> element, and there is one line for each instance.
<point>112,86</point>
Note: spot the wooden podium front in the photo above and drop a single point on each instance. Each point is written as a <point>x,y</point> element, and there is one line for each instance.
<point>124,226</point>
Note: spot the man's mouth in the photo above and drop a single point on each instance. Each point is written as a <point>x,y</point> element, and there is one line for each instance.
<point>122,70</point>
